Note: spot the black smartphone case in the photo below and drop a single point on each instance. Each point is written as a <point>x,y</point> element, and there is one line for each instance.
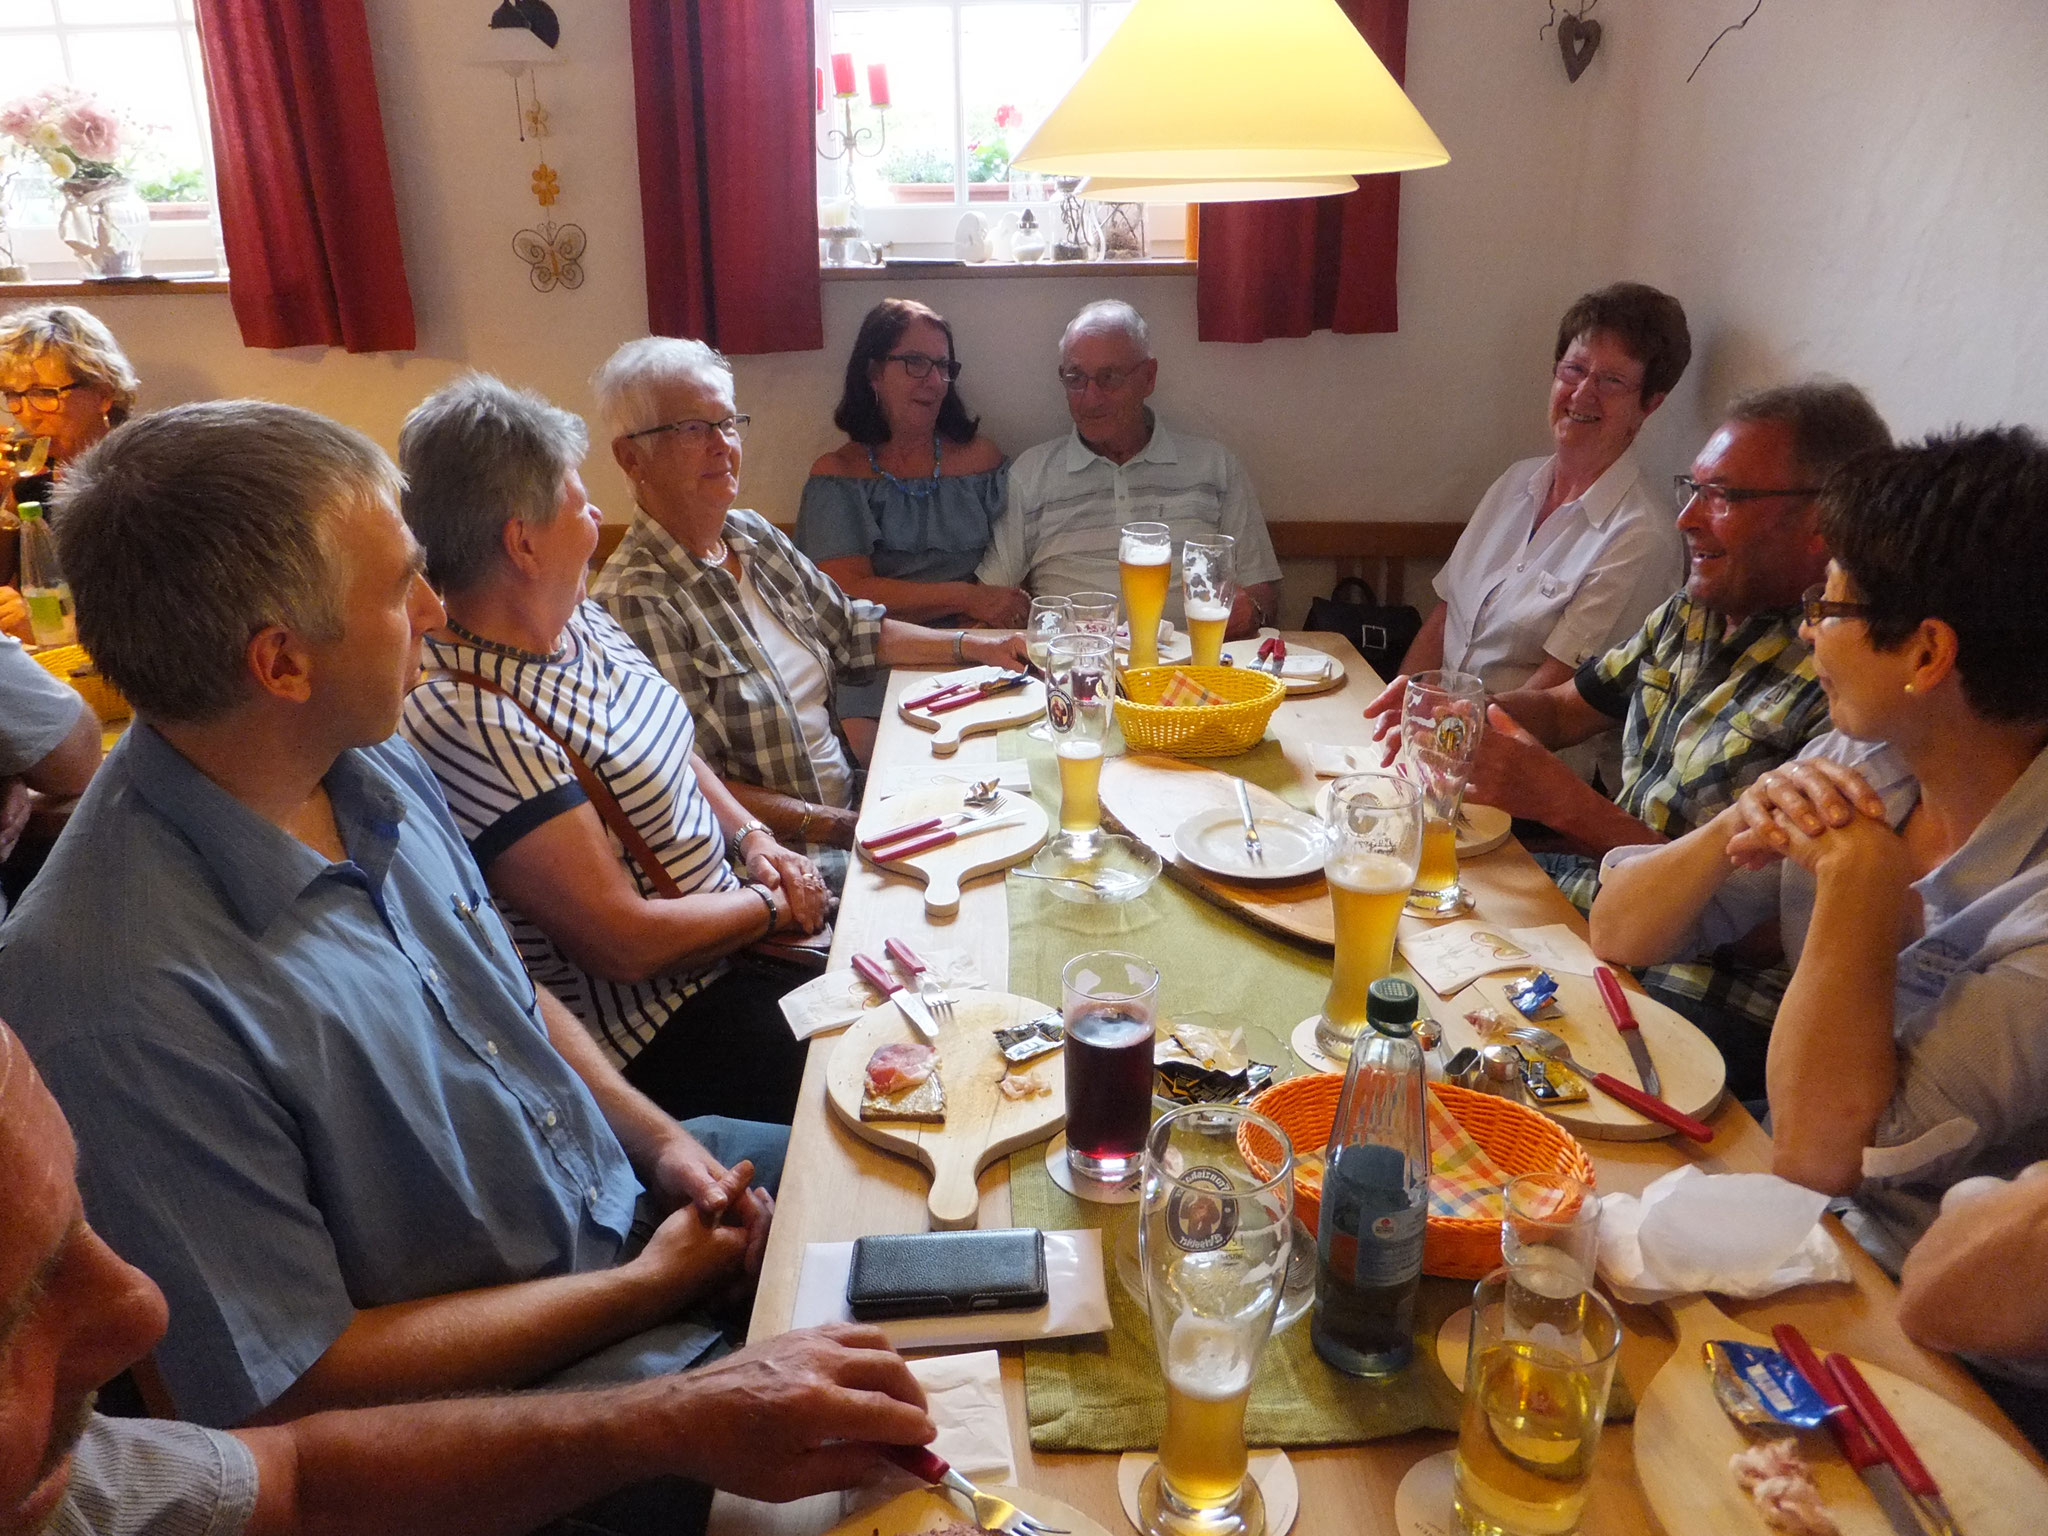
<point>936,1274</point>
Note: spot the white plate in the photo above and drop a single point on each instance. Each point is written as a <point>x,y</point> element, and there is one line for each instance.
<point>1243,653</point>
<point>1175,647</point>
<point>1295,843</point>
<point>1482,828</point>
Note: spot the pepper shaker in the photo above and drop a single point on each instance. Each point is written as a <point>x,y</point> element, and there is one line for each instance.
<point>1500,1071</point>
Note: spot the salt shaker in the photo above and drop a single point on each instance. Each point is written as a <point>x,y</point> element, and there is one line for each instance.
<point>1500,1071</point>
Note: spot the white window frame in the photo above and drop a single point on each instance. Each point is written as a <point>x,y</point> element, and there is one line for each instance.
<point>927,229</point>
<point>180,243</point>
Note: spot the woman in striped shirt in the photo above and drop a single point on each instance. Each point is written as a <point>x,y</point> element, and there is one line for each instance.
<point>571,766</point>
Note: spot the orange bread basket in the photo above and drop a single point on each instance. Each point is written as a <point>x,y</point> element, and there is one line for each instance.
<point>1517,1138</point>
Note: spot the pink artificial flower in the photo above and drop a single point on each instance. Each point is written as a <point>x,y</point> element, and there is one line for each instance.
<point>1008,117</point>
<point>92,132</point>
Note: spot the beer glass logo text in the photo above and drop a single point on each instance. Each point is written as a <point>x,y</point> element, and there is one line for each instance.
<point>1196,1220</point>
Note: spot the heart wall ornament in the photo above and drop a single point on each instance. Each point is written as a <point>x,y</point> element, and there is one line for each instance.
<point>1578,40</point>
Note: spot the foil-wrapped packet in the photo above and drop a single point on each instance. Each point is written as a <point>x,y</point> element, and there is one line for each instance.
<point>1550,1081</point>
<point>1187,1082</point>
<point>1031,1039</point>
<point>1535,997</point>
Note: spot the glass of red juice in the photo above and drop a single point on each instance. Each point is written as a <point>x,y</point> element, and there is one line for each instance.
<point>1107,999</point>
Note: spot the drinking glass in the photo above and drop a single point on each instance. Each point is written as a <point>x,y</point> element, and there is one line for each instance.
<point>1443,715</point>
<point>1107,1000</point>
<point>1077,705</point>
<point>1376,819</point>
<point>1144,560</point>
<point>1049,617</point>
<point>1215,1225</point>
<point>1208,579</point>
<point>1550,1235</point>
<point>1535,1399</point>
<point>1093,613</point>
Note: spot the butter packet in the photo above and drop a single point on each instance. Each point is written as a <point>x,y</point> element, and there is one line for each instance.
<point>1552,1082</point>
<point>1535,997</point>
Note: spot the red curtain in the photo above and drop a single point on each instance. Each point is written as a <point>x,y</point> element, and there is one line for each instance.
<point>728,174</point>
<point>1312,263</point>
<point>305,186</point>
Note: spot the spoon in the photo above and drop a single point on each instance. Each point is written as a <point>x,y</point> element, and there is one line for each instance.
<point>1099,887</point>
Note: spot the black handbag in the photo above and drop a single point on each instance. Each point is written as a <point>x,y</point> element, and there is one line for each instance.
<point>1381,633</point>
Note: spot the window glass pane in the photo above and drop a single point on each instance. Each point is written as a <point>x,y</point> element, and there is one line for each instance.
<point>117,12</point>
<point>1102,20</point>
<point>1016,61</point>
<point>32,63</point>
<point>143,72</point>
<point>23,13</point>
<point>912,145</point>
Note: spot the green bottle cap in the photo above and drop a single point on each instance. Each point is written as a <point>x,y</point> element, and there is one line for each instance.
<point>29,511</point>
<point>1392,1005</point>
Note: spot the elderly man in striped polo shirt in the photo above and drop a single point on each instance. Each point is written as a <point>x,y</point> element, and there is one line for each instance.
<point>1067,498</point>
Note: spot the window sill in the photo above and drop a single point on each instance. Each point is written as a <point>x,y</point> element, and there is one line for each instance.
<point>120,287</point>
<point>896,271</point>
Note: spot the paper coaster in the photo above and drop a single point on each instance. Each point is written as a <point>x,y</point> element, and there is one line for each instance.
<point>1453,1344</point>
<point>1271,1470</point>
<point>1422,1504</point>
<point>1082,1189</point>
<point>1304,1042</point>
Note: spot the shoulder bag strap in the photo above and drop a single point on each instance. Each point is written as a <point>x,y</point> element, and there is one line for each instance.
<point>602,800</point>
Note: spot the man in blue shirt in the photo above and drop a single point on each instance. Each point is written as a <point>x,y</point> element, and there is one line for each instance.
<point>316,1097</point>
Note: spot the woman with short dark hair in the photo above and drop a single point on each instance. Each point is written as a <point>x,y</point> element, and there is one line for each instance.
<point>1904,856</point>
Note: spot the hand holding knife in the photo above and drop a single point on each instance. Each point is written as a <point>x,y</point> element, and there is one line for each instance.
<point>1631,1032</point>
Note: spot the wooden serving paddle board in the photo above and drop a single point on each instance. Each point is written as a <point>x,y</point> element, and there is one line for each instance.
<point>921,1510</point>
<point>949,728</point>
<point>1683,1441</point>
<point>1148,795</point>
<point>1689,1068</point>
<point>1245,653</point>
<point>945,870</point>
<point>981,1123</point>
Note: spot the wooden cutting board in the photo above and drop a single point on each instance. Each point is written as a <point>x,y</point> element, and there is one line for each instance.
<point>1148,795</point>
<point>945,870</point>
<point>1689,1068</point>
<point>1017,707</point>
<point>1683,1442</point>
<point>922,1510</point>
<point>981,1123</point>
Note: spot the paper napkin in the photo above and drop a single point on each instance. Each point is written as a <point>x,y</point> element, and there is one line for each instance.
<point>1076,1299</point>
<point>1740,1234</point>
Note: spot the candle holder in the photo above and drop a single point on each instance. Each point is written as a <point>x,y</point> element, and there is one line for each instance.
<point>849,143</point>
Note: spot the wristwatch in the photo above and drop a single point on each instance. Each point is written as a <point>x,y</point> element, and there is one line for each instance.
<point>747,829</point>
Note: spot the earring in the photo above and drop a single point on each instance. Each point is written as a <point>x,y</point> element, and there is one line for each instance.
<point>1911,689</point>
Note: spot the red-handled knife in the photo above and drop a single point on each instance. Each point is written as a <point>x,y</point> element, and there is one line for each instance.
<point>1660,1110</point>
<point>1624,1018</point>
<point>892,852</point>
<point>926,700</point>
<point>907,1002</point>
<point>1858,1449</point>
<point>1891,1440</point>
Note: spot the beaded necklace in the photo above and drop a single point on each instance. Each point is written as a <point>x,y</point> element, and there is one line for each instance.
<point>498,649</point>
<point>921,487</point>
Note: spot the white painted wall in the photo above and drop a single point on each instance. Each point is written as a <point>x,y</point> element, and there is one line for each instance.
<point>1851,185</point>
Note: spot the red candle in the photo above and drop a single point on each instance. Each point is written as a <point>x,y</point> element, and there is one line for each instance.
<point>821,87</point>
<point>842,74</point>
<point>878,84</point>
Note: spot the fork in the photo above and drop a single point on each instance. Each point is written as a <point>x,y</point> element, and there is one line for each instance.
<point>1254,848</point>
<point>1549,1043</point>
<point>936,998</point>
<point>993,1513</point>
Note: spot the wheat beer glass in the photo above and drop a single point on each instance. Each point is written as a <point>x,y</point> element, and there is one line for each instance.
<point>1216,1217</point>
<point>1376,822</point>
<point>1536,1386</point>
<point>1144,562</point>
<point>1443,715</point>
<point>1208,578</point>
<point>1077,703</point>
<point>1050,616</point>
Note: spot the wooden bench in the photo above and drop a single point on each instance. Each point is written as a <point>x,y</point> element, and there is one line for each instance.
<point>1377,551</point>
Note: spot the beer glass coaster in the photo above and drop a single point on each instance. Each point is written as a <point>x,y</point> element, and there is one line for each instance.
<point>1453,1344</point>
<point>1271,1470</point>
<point>1086,1189</point>
<point>1293,844</point>
<point>1422,1504</point>
<point>1306,1047</point>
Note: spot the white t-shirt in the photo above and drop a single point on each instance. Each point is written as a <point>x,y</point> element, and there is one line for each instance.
<point>808,688</point>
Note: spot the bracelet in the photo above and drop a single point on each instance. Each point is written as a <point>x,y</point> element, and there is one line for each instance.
<point>959,645</point>
<point>803,828</point>
<point>746,830</point>
<point>767,901</point>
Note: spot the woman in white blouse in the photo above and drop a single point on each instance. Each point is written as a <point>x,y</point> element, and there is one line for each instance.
<point>1567,554</point>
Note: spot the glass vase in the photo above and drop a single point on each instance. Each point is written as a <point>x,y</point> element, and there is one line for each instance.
<point>104,221</point>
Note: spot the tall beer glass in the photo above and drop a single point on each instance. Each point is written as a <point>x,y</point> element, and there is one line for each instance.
<point>1216,1219</point>
<point>1144,563</point>
<point>1443,716</point>
<point>1208,578</point>
<point>1077,705</point>
<point>1536,1387</point>
<point>1377,846</point>
<point>1050,616</point>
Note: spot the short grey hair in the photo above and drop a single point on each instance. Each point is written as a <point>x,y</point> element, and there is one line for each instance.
<point>1110,315</point>
<point>627,383</point>
<point>185,532</point>
<point>476,454</point>
<point>1831,421</point>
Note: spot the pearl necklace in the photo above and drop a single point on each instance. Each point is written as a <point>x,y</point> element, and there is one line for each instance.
<point>718,554</point>
<point>499,649</point>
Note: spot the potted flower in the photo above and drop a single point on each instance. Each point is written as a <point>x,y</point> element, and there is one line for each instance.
<point>988,157</point>
<point>87,148</point>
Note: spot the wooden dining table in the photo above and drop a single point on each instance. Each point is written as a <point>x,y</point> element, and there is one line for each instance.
<point>836,1187</point>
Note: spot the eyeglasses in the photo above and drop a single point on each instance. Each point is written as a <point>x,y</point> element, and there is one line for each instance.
<point>1817,607</point>
<point>918,366</point>
<point>1719,498</point>
<point>1606,385</point>
<point>697,432</point>
<point>1108,380</point>
<point>44,397</point>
